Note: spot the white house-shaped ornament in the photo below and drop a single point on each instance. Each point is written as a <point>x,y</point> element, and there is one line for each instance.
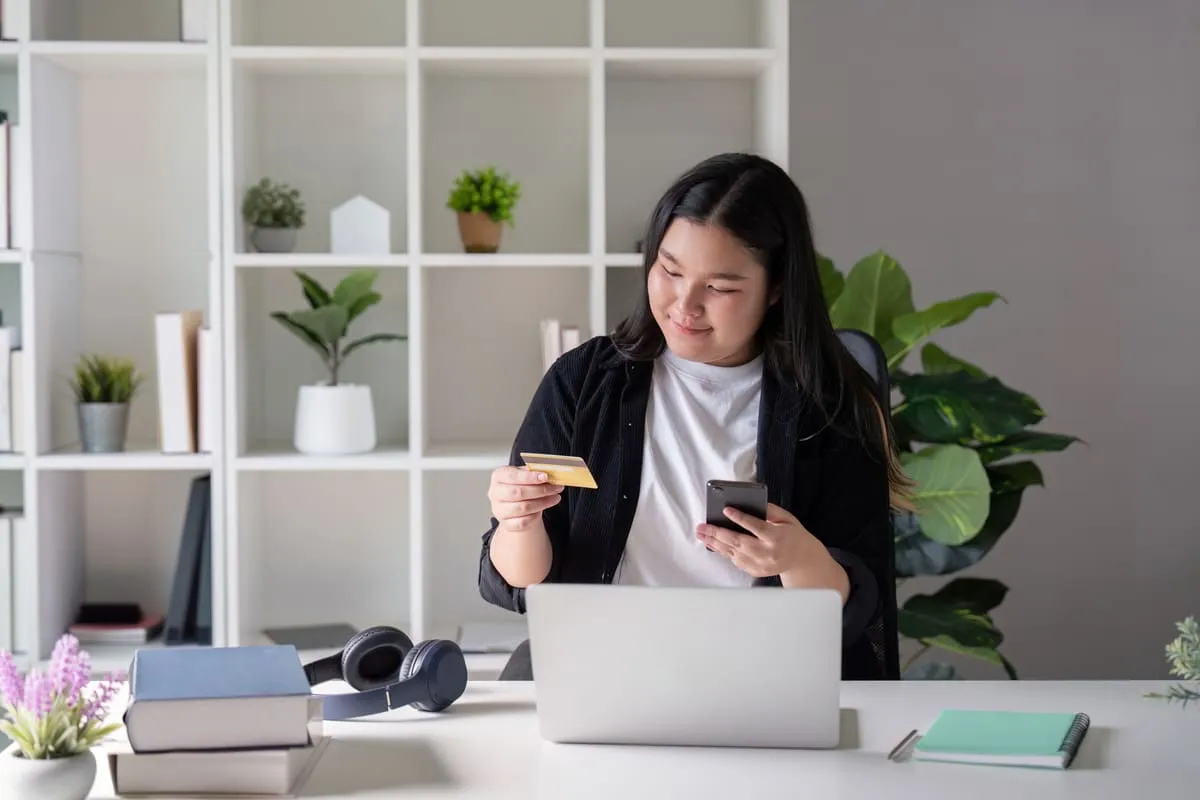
<point>360,226</point>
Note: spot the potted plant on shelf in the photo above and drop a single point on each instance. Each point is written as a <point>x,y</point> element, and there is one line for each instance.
<point>54,720</point>
<point>484,200</point>
<point>333,417</point>
<point>104,386</point>
<point>274,212</point>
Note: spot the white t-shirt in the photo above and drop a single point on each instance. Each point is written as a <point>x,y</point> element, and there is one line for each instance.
<point>701,424</point>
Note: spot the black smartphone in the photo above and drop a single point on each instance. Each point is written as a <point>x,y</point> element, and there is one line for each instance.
<point>747,496</point>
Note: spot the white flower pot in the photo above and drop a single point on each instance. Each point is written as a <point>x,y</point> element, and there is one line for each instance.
<point>47,779</point>
<point>335,420</point>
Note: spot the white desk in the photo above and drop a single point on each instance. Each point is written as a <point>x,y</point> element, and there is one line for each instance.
<point>487,746</point>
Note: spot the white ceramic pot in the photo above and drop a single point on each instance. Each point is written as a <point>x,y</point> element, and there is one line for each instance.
<point>335,420</point>
<point>46,779</point>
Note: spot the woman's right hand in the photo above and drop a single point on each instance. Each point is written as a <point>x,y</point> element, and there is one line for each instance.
<point>519,496</point>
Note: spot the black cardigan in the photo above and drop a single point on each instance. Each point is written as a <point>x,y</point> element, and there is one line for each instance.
<point>592,403</point>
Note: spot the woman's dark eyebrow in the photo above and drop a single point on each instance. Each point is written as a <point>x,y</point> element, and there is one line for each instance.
<point>723,276</point>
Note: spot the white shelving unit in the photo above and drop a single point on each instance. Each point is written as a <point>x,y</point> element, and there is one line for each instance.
<point>142,146</point>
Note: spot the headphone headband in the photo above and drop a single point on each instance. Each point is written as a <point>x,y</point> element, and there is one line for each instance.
<point>429,676</point>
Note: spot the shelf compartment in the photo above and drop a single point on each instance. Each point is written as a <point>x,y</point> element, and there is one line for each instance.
<point>513,23</point>
<point>536,129</point>
<point>330,135</point>
<point>458,513</point>
<point>273,363</point>
<point>109,20</point>
<point>319,23</point>
<point>657,128</point>
<point>705,23</point>
<point>94,544</point>
<point>102,270</point>
<point>480,347</point>
<point>318,547</point>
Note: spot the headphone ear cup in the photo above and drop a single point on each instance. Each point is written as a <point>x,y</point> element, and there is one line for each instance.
<point>440,663</point>
<point>374,657</point>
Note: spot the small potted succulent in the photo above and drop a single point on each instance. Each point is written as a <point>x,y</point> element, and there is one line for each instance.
<point>54,719</point>
<point>334,417</point>
<point>104,386</point>
<point>274,213</point>
<point>484,200</point>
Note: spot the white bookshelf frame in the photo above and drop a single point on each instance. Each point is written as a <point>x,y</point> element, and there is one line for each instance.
<point>616,74</point>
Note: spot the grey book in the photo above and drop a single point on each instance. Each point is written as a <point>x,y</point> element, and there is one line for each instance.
<point>216,698</point>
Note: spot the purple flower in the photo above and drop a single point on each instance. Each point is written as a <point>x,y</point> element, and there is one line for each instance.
<point>70,669</point>
<point>96,707</point>
<point>39,693</point>
<point>11,686</point>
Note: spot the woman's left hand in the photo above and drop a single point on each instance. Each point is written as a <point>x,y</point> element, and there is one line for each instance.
<point>780,542</point>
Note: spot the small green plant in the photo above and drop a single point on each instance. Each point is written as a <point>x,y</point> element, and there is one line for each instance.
<point>105,379</point>
<point>485,191</point>
<point>1183,654</point>
<point>56,713</point>
<point>326,321</point>
<point>270,204</point>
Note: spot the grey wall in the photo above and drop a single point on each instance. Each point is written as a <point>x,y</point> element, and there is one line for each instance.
<point>1051,152</point>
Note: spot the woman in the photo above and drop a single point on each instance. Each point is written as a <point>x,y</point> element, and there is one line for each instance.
<point>727,368</point>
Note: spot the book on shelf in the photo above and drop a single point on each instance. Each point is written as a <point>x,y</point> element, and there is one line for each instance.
<point>189,609</point>
<point>557,339</point>
<point>186,359</point>
<point>140,631</point>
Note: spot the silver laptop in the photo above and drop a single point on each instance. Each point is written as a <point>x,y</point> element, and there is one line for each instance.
<point>753,667</point>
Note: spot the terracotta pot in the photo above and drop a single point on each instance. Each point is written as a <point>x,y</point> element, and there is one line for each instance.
<point>478,232</point>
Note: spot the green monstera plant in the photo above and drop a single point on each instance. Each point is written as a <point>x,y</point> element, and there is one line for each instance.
<point>964,438</point>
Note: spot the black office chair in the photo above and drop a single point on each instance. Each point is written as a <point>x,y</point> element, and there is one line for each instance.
<point>883,632</point>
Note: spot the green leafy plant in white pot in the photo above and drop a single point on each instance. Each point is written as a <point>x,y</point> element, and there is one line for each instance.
<point>334,417</point>
<point>274,213</point>
<point>54,718</point>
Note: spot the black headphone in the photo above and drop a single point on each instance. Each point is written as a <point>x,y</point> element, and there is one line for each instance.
<point>387,671</point>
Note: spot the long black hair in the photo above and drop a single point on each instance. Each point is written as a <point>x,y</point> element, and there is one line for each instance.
<point>759,204</point>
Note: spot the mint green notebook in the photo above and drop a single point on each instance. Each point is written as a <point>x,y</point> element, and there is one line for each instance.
<point>1015,738</point>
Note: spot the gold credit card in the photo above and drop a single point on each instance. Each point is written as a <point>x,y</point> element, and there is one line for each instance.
<point>561,470</point>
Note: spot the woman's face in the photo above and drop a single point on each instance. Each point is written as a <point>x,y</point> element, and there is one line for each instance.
<point>707,293</point>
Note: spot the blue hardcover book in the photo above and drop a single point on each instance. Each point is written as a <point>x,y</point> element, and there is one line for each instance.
<point>216,698</point>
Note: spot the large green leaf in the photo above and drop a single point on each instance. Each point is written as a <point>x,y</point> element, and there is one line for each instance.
<point>314,292</point>
<point>948,617</point>
<point>877,290</point>
<point>360,305</point>
<point>352,287</point>
<point>917,554</point>
<point>1024,443</point>
<point>327,323</point>
<point>910,329</point>
<point>372,338</point>
<point>306,336</point>
<point>935,361</point>
<point>951,492</point>
<point>961,407</point>
<point>832,281</point>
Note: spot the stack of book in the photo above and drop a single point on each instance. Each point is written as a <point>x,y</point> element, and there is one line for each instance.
<point>217,721</point>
